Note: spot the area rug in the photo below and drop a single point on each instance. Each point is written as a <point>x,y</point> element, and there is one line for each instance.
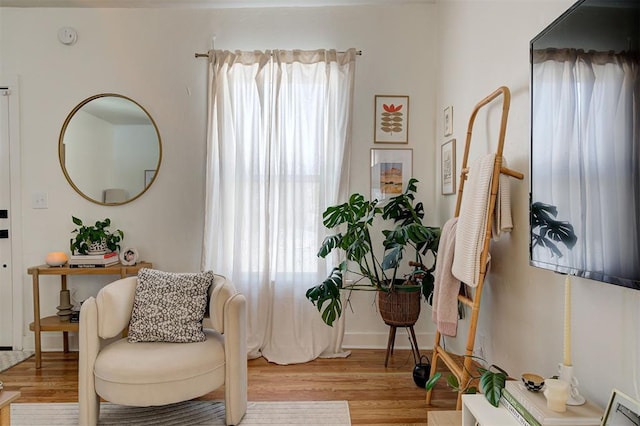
<point>10,358</point>
<point>188,413</point>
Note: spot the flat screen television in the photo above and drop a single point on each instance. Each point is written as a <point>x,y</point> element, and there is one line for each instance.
<point>585,143</point>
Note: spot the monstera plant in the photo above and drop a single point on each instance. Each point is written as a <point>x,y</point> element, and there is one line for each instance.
<point>375,268</point>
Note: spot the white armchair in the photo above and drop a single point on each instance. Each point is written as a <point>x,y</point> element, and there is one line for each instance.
<point>154,373</point>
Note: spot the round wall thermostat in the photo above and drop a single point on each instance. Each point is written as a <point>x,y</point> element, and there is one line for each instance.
<point>67,35</point>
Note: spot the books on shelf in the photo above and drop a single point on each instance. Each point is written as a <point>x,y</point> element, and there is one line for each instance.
<point>106,259</point>
<point>93,265</point>
<point>532,407</point>
<point>517,410</point>
<point>518,415</point>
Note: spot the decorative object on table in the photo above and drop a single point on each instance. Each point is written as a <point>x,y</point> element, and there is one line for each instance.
<point>129,256</point>
<point>556,392</point>
<point>391,170</point>
<point>356,218</point>
<point>93,260</point>
<point>448,121</point>
<point>391,121</point>
<point>64,309</point>
<point>95,239</point>
<point>533,382</point>
<point>566,367</point>
<point>621,410</point>
<point>56,258</point>
<point>448,167</point>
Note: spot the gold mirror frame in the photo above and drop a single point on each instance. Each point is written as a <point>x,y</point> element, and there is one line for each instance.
<point>147,178</point>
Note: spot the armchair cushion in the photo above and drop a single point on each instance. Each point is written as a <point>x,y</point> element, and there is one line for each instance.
<point>169,307</point>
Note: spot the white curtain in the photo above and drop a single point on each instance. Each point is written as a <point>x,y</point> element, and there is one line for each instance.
<point>589,98</point>
<point>279,137</point>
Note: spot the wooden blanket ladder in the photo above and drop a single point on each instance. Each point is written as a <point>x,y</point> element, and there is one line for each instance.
<point>462,372</point>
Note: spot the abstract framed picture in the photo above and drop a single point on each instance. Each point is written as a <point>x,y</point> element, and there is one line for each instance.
<point>448,167</point>
<point>622,410</point>
<point>391,170</point>
<point>391,120</point>
<point>448,121</point>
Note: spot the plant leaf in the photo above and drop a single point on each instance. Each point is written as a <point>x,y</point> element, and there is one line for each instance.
<point>492,384</point>
<point>328,291</point>
<point>329,243</point>
<point>452,381</point>
<point>431,383</point>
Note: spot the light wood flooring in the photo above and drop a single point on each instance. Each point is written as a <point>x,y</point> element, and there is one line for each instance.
<point>376,395</point>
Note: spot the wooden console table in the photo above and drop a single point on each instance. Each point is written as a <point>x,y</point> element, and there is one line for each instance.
<point>53,323</point>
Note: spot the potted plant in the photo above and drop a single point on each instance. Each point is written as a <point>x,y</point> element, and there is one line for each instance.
<point>94,238</point>
<point>353,222</point>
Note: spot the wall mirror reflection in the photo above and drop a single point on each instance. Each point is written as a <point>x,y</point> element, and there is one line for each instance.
<point>110,149</point>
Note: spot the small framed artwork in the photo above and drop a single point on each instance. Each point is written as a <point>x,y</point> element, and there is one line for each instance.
<point>448,121</point>
<point>129,256</point>
<point>148,177</point>
<point>448,167</point>
<point>391,170</point>
<point>622,410</point>
<point>391,120</point>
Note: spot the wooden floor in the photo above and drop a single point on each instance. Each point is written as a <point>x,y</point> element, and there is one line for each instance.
<point>376,395</point>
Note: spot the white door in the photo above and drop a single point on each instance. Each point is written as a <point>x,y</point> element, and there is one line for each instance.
<point>6,286</point>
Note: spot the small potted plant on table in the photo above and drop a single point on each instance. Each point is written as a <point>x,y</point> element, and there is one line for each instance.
<point>94,239</point>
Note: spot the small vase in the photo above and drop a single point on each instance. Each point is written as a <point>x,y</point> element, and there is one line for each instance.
<point>64,310</point>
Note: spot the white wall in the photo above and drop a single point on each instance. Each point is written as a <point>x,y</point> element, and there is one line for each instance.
<point>484,45</point>
<point>148,55</point>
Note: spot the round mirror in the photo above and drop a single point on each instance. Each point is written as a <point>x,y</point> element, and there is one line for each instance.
<point>110,149</point>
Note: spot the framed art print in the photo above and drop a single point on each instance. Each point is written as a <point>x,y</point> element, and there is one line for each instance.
<point>448,121</point>
<point>391,120</point>
<point>129,256</point>
<point>622,410</point>
<point>391,170</point>
<point>448,167</point>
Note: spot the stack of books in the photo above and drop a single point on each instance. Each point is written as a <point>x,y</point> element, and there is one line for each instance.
<point>93,260</point>
<point>530,408</point>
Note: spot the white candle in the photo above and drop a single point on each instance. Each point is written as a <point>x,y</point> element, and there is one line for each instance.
<point>567,321</point>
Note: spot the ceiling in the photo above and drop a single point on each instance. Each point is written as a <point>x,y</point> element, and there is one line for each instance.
<point>200,3</point>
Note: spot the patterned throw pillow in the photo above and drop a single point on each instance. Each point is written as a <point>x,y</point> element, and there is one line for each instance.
<point>169,307</point>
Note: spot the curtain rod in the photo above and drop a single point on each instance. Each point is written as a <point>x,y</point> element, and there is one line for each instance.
<point>206,55</point>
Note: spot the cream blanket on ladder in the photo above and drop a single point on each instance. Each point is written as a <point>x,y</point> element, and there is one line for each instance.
<point>472,218</point>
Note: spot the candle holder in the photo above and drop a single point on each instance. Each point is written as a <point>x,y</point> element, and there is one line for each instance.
<point>566,374</point>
